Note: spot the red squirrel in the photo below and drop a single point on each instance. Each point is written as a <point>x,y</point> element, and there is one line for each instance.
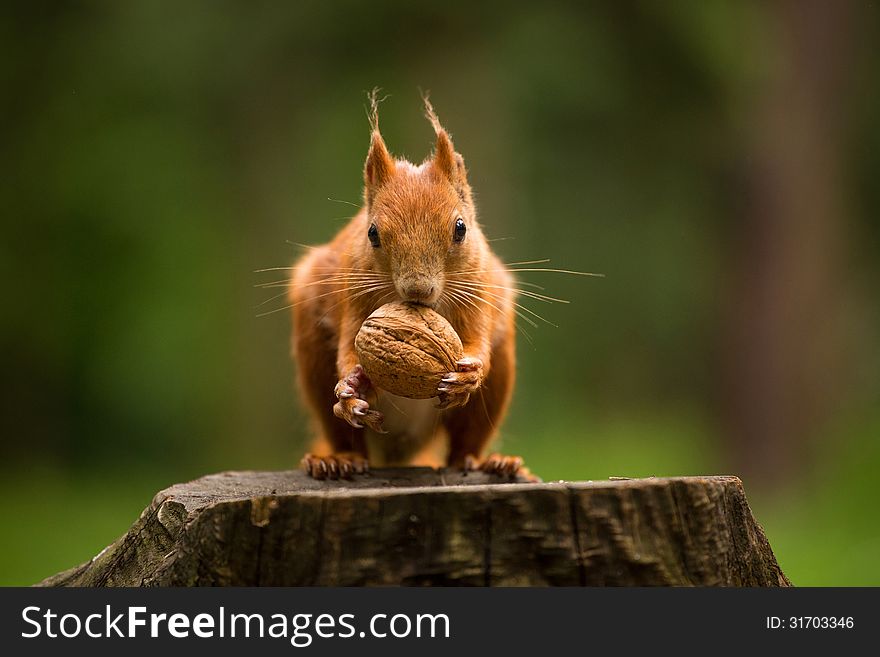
<point>415,239</point>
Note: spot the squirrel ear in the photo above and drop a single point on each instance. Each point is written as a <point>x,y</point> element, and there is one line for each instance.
<point>449,163</point>
<point>444,156</point>
<point>379,165</point>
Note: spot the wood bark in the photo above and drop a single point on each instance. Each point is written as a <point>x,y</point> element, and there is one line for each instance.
<point>418,526</point>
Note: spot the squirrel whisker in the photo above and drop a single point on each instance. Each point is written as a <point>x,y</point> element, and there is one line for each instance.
<point>525,293</point>
<point>456,293</point>
<point>311,246</point>
<point>548,270</point>
<point>504,264</point>
<point>318,296</point>
<point>339,200</point>
<point>362,293</point>
<point>518,305</point>
<point>286,282</point>
<point>490,304</point>
<point>350,269</point>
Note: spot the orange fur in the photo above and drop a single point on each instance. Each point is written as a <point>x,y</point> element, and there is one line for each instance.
<point>414,209</point>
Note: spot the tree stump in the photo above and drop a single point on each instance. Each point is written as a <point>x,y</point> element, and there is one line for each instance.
<point>418,526</point>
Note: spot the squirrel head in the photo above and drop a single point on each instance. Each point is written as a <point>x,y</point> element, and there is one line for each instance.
<point>420,223</point>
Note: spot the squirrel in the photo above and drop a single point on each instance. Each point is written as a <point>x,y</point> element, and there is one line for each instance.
<point>416,239</point>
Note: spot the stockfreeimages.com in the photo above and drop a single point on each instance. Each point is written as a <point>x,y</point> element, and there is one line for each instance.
<point>299,629</point>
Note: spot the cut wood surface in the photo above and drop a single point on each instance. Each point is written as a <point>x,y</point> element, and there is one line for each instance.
<point>418,526</point>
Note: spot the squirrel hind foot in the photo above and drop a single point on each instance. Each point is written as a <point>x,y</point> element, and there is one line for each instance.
<point>340,465</point>
<point>501,465</point>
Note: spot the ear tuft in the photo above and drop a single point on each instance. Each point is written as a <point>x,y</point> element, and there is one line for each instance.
<point>379,165</point>
<point>444,151</point>
<point>430,114</point>
<point>373,109</point>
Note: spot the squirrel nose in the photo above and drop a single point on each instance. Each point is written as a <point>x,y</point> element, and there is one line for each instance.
<point>418,291</point>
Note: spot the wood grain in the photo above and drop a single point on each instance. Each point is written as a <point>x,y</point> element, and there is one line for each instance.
<point>418,526</point>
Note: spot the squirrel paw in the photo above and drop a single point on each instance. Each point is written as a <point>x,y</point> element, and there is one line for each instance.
<point>456,388</point>
<point>358,414</point>
<point>352,407</point>
<point>508,466</point>
<point>353,385</point>
<point>341,465</point>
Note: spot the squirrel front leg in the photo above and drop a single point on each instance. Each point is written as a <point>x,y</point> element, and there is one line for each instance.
<point>472,427</point>
<point>353,387</point>
<point>352,407</point>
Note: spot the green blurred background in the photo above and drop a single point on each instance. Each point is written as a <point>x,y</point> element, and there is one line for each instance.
<point>717,161</point>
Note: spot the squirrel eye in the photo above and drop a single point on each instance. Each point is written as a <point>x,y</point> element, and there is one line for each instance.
<point>373,234</point>
<point>460,230</point>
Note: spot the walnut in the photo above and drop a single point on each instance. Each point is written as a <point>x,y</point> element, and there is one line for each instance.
<point>406,349</point>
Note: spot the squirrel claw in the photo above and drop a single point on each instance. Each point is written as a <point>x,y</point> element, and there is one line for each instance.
<point>468,364</point>
<point>448,400</point>
<point>342,465</point>
<point>358,414</point>
<point>504,466</point>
